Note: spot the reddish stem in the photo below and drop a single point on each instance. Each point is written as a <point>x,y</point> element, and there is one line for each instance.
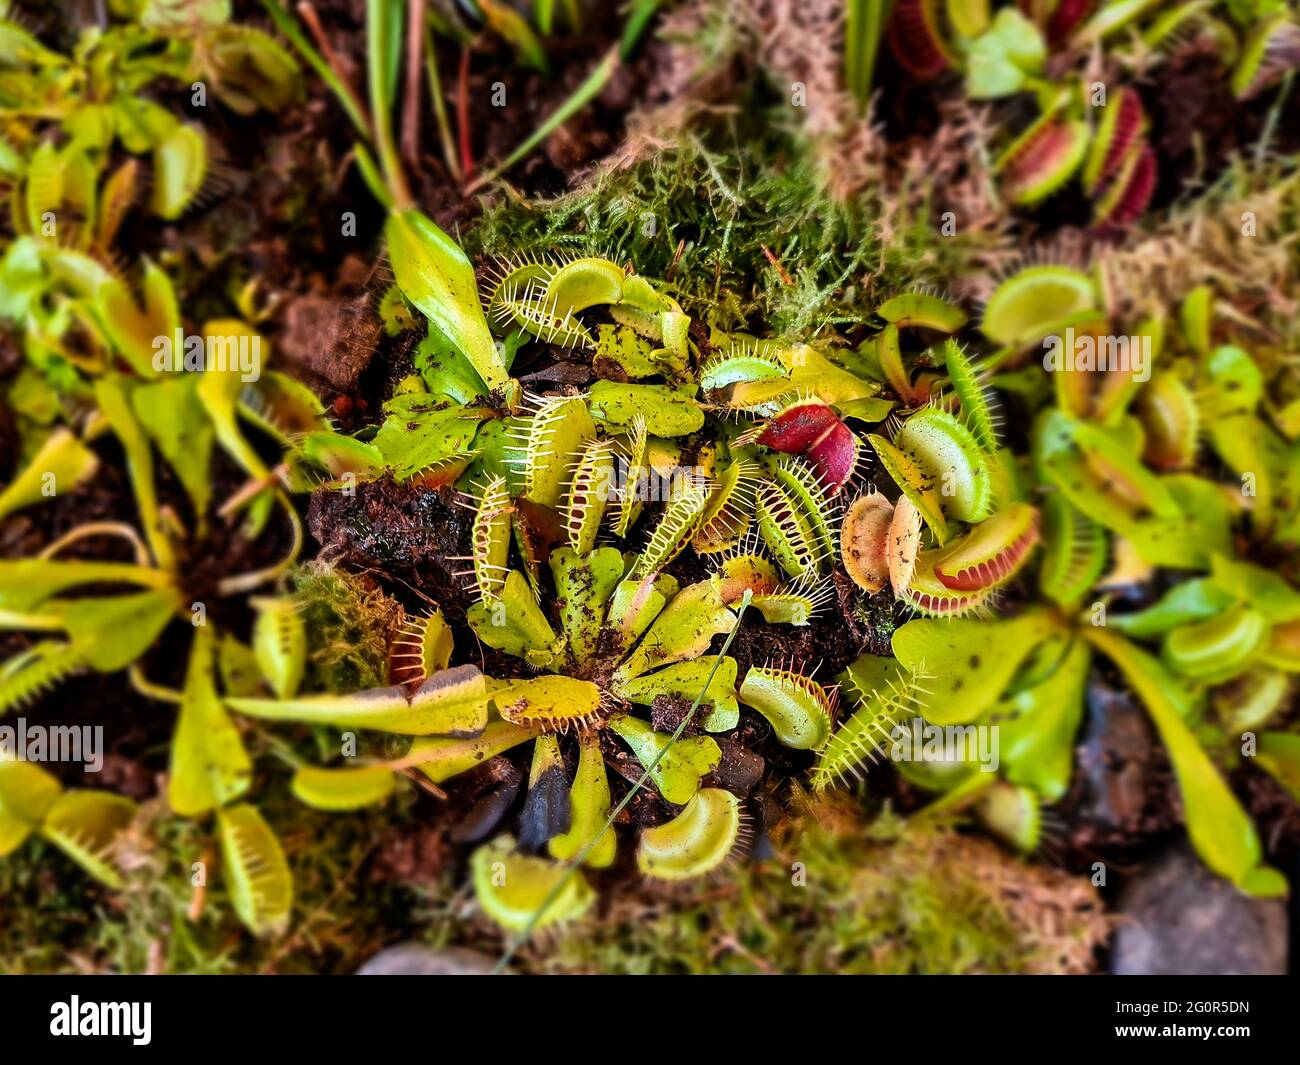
<point>309,16</point>
<point>411,112</point>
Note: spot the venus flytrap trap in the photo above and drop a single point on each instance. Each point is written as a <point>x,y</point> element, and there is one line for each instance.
<point>84,825</point>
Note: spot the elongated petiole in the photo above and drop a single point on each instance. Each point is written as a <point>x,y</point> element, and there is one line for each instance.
<point>149,689</point>
<point>582,95</point>
<point>17,621</point>
<point>100,528</point>
<point>382,57</point>
<point>246,582</point>
<point>440,105</point>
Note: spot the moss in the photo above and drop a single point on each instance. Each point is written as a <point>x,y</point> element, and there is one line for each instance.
<point>351,623</point>
<point>841,897</point>
<point>54,919</point>
<point>760,239</point>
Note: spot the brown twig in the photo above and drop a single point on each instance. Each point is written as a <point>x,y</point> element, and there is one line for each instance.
<point>677,258</point>
<point>308,14</point>
<point>786,279</point>
<point>200,894</point>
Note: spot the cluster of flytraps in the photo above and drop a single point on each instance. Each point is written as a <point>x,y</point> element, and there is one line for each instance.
<point>1063,53</point>
<point>72,136</point>
<point>1110,476</point>
<point>602,629</point>
<point>545,482</point>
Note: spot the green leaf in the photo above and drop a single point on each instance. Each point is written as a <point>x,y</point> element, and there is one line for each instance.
<point>421,432</point>
<point>170,412</point>
<point>583,585</point>
<point>442,759</point>
<point>445,371</point>
<point>62,463</point>
<point>1037,725</point>
<point>1220,830</point>
<point>209,766</point>
<point>113,393</point>
<point>967,663</point>
<point>1279,754</point>
<point>219,392</point>
<point>514,623</point>
<point>453,702</point>
<point>634,605</point>
<point>1193,600</point>
<point>1262,589</point>
<point>683,630</point>
<point>26,583</point>
<point>256,874</point>
<point>684,680</point>
<point>113,632</point>
<point>237,666</point>
<point>26,794</point>
<point>589,801</point>
<point>436,276</point>
<point>343,789</point>
<point>999,59</point>
<point>677,776</point>
<point>666,411</point>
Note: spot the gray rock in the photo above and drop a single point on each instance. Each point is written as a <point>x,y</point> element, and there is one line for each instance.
<point>415,959</point>
<point>1176,918</point>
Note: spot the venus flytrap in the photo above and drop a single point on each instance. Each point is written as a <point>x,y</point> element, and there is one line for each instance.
<point>882,694</point>
<point>1083,128</point>
<point>178,421</point>
<point>1111,476</point>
